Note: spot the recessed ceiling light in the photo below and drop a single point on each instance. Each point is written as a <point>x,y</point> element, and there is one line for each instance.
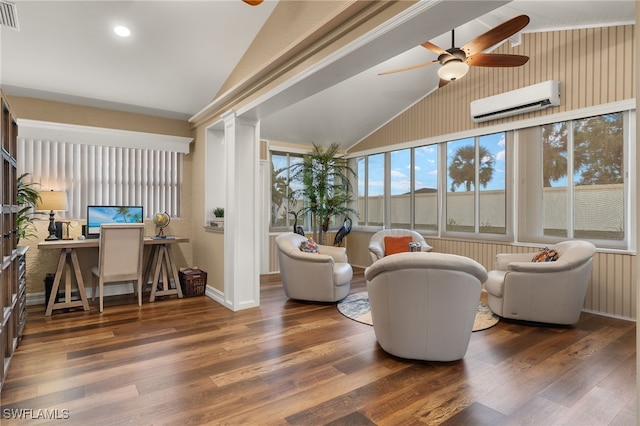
<point>122,31</point>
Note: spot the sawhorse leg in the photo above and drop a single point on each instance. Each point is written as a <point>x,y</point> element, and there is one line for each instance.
<point>68,261</point>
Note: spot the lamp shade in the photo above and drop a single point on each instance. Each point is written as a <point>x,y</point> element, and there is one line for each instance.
<point>52,201</point>
<point>453,70</point>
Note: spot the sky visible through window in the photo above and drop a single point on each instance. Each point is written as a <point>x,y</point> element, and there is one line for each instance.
<point>495,144</point>
<point>426,167</point>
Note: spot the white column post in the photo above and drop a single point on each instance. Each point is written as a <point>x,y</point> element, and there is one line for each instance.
<point>242,218</point>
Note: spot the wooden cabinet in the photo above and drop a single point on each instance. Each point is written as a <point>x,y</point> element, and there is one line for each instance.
<point>11,293</point>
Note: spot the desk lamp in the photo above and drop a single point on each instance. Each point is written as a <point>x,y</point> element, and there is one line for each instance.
<point>52,201</point>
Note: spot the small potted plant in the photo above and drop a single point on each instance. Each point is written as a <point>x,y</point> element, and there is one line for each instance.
<point>218,214</point>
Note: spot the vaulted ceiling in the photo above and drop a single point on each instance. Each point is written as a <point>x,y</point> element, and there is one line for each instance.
<point>181,53</point>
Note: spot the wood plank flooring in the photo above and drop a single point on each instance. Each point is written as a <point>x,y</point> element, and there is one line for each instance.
<point>193,362</point>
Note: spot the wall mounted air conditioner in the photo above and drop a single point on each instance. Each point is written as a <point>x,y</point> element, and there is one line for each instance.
<point>526,99</point>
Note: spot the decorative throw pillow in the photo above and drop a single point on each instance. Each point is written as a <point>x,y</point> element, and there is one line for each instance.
<point>393,245</point>
<point>309,246</point>
<point>545,255</point>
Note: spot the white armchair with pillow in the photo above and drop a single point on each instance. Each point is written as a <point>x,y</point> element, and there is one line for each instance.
<point>324,276</point>
<point>423,305</point>
<point>534,287</point>
<point>392,241</point>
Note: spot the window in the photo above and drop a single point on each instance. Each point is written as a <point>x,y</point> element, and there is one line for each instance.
<point>285,211</point>
<point>580,166</point>
<point>476,185</point>
<point>104,175</point>
<point>571,183</point>
<point>425,184</point>
<point>361,207</point>
<point>371,184</point>
<point>461,185</point>
<point>554,179</point>
<point>400,193</point>
<point>375,190</point>
<point>598,178</point>
<point>493,184</point>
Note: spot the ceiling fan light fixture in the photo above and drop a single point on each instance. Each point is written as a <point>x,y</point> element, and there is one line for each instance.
<point>122,31</point>
<point>453,70</point>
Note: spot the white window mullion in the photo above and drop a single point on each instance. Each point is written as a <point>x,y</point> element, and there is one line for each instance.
<point>570,182</point>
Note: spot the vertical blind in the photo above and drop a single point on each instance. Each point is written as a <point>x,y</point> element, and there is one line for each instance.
<point>103,175</point>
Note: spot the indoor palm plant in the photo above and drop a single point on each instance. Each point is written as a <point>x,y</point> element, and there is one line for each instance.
<point>27,196</point>
<point>325,178</point>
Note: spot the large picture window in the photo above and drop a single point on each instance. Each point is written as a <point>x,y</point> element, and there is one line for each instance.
<point>571,183</point>
<point>476,185</point>
<point>581,167</point>
<point>104,175</point>
<point>400,192</point>
<point>426,187</point>
<point>375,190</point>
<point>492,203</point>
<point>286,212</point>
<point>461,185</point>
<point>583,178</point>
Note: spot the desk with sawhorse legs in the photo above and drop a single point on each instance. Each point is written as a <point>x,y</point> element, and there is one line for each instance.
<point>161,262</point>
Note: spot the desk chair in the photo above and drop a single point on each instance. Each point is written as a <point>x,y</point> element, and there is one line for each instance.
<point>120,259</point>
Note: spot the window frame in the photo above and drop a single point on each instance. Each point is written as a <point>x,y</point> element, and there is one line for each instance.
<point>289,220</point>
<point>514,176</point>
<point>535,231</point>
<point>508,195</point>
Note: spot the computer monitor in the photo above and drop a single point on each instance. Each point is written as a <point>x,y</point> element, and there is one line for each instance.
<point>97,215</point>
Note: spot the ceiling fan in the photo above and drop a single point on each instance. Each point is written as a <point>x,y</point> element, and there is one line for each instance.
<point>456,60</point>
<point>252,2</point>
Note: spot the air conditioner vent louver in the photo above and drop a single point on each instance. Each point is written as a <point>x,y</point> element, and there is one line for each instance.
<point>516,109</point>
<point>520,101</point>
<point>8,15</point>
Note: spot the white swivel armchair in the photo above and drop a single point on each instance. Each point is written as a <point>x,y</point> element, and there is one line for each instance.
<point>120,259</point>
<point>423,305</point>
<point>317,277</point>
<point>547,292</point>
<point>376,243</point>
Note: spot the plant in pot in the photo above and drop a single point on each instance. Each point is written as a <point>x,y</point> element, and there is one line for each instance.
<point>218,214</point>
<point>27,196</point>
<point>325,180</point>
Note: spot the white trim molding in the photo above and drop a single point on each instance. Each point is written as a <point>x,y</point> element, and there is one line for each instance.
<point>88,135</point>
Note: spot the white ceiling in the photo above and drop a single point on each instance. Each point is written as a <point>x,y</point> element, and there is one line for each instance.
<point>181,52</point>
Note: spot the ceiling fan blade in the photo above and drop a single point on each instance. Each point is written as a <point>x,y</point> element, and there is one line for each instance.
<point>442,83</point>
<point>253,2</point>
<point>432,47</point>
<point>496,60</point>
<point>496,35</point>
<point>410,67</point>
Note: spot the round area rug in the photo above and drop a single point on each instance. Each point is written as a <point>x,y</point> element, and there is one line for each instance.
<point>356,307</point>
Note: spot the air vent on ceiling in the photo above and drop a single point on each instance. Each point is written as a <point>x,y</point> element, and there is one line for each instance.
<point>8,15</point>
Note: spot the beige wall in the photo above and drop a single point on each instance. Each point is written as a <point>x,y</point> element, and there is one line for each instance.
<point>57,112</point>
<point>208,252</point>
<point>41,262</point>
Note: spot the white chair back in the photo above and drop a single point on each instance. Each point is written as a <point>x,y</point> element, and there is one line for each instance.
<point>121,251</point>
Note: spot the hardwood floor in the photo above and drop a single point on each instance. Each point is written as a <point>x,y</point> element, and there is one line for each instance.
<point>193,362</point>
